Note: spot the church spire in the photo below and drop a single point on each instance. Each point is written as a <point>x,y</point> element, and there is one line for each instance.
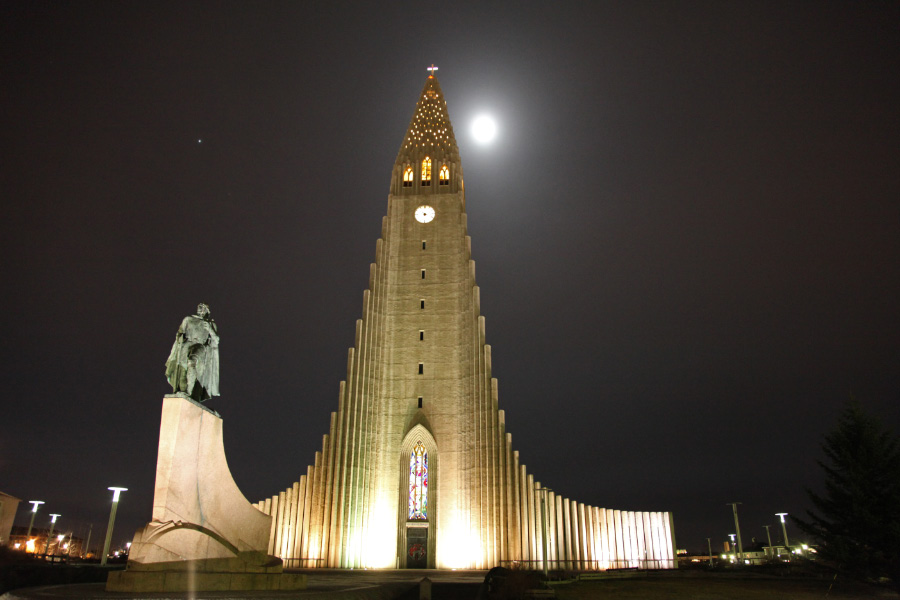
<point>429,139</point>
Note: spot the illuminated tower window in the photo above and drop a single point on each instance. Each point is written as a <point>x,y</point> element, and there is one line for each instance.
<point>426,171</point>
<point>445,175</point>
<point>418,483</point>
<point>408,177</point>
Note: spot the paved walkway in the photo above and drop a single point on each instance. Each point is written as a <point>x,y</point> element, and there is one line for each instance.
<point>351,584</point>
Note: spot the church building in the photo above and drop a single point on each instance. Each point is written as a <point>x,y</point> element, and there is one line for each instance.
<point>417,469</point>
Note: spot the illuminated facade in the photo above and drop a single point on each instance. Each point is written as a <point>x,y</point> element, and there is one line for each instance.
<point>417,469</point>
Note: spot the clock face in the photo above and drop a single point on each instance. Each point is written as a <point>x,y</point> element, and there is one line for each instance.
<point>424,214</point>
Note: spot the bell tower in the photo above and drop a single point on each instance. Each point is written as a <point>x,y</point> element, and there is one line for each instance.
<point>434,380</point>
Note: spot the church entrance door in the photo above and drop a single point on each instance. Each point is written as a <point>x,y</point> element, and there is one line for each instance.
<point>417,548</point>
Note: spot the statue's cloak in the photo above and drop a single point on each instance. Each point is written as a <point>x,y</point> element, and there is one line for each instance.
<point>196,345</point>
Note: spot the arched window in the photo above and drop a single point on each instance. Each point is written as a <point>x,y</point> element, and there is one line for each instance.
<point>418,483</point>
<point>408,177</point>
<point>426,171</point>
<point>445,175</point>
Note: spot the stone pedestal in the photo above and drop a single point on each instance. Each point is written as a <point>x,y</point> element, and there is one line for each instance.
<point>204,535</point>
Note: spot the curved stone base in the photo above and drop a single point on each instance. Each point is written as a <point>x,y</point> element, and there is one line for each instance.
<point>204,534</point>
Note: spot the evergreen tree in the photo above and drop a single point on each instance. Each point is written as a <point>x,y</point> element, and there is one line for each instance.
<point>857,518</point>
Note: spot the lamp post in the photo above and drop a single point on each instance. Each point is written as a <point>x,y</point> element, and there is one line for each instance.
<point>36,503</point>
<point>769,536</point>
<point>784,530</point>
<point>112,519</point>
<point>737,528</point>
<point>709,545</point>
<point>86,548</point>
<point>53,518</point>
<point>543,492</point>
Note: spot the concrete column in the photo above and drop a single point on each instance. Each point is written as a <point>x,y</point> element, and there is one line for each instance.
<point>598,540</point>
<point>589,526</point>
<point>511,508</point>
<point>611,537</point>
<point>523,495</point>
<point>670,540</point>
<point>602,549</point>
<point>517,509</point>
<point>562,554</point>
<point>307,515</point>
<point>553,554</point>
<point>636,545</point>
<point>570,542</point>
<point>621,557</point>
<point>532,535</point>
<point>658,539</point>
<point>274,530</point>
<point>278,521</point>
<point>290,519</point>
<point>300,495</point>
<point>328,488</point>
<point>648,541</point>
<point>584,529</point>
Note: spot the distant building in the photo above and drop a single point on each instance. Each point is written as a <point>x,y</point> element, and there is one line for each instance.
<point>62,543</point>
<point>8,507</point>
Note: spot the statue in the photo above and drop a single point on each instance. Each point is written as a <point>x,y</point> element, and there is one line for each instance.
<point>193,364</point>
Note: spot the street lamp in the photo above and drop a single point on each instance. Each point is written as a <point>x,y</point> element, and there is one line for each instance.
<point>53,518</point>
<point>709,545</point>
<point>784,530</point>
<point>36,503</point>
<point>737,528</point>
<point>86,547</point>
<point>769,536</point>
<point>112,519</point>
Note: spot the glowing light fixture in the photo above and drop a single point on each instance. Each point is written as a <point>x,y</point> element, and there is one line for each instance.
<point>783,528</point>
<point>34,510</point>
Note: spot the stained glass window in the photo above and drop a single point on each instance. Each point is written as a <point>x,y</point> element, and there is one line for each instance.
<point>418,483</point>
<point>408,177</point>
<point>426,171</point>
<point>445,175</point>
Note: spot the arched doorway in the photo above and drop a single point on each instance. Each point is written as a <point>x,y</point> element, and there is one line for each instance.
<point>418,499</point>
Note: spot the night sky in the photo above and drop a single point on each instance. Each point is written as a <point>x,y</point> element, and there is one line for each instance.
<point>686,234</point>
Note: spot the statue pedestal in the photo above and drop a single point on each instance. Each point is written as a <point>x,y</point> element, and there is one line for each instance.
<point>204,535</point>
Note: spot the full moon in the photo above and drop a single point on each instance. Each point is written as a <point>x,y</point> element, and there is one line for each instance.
<point>484,129</point>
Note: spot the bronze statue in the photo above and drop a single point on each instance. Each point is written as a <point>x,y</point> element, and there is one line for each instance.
<point>193,364</point>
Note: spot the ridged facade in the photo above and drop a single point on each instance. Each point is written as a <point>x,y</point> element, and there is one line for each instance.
<point>420,371</point>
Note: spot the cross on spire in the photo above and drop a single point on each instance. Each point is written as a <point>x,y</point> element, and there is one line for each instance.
<point>432,68</point>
